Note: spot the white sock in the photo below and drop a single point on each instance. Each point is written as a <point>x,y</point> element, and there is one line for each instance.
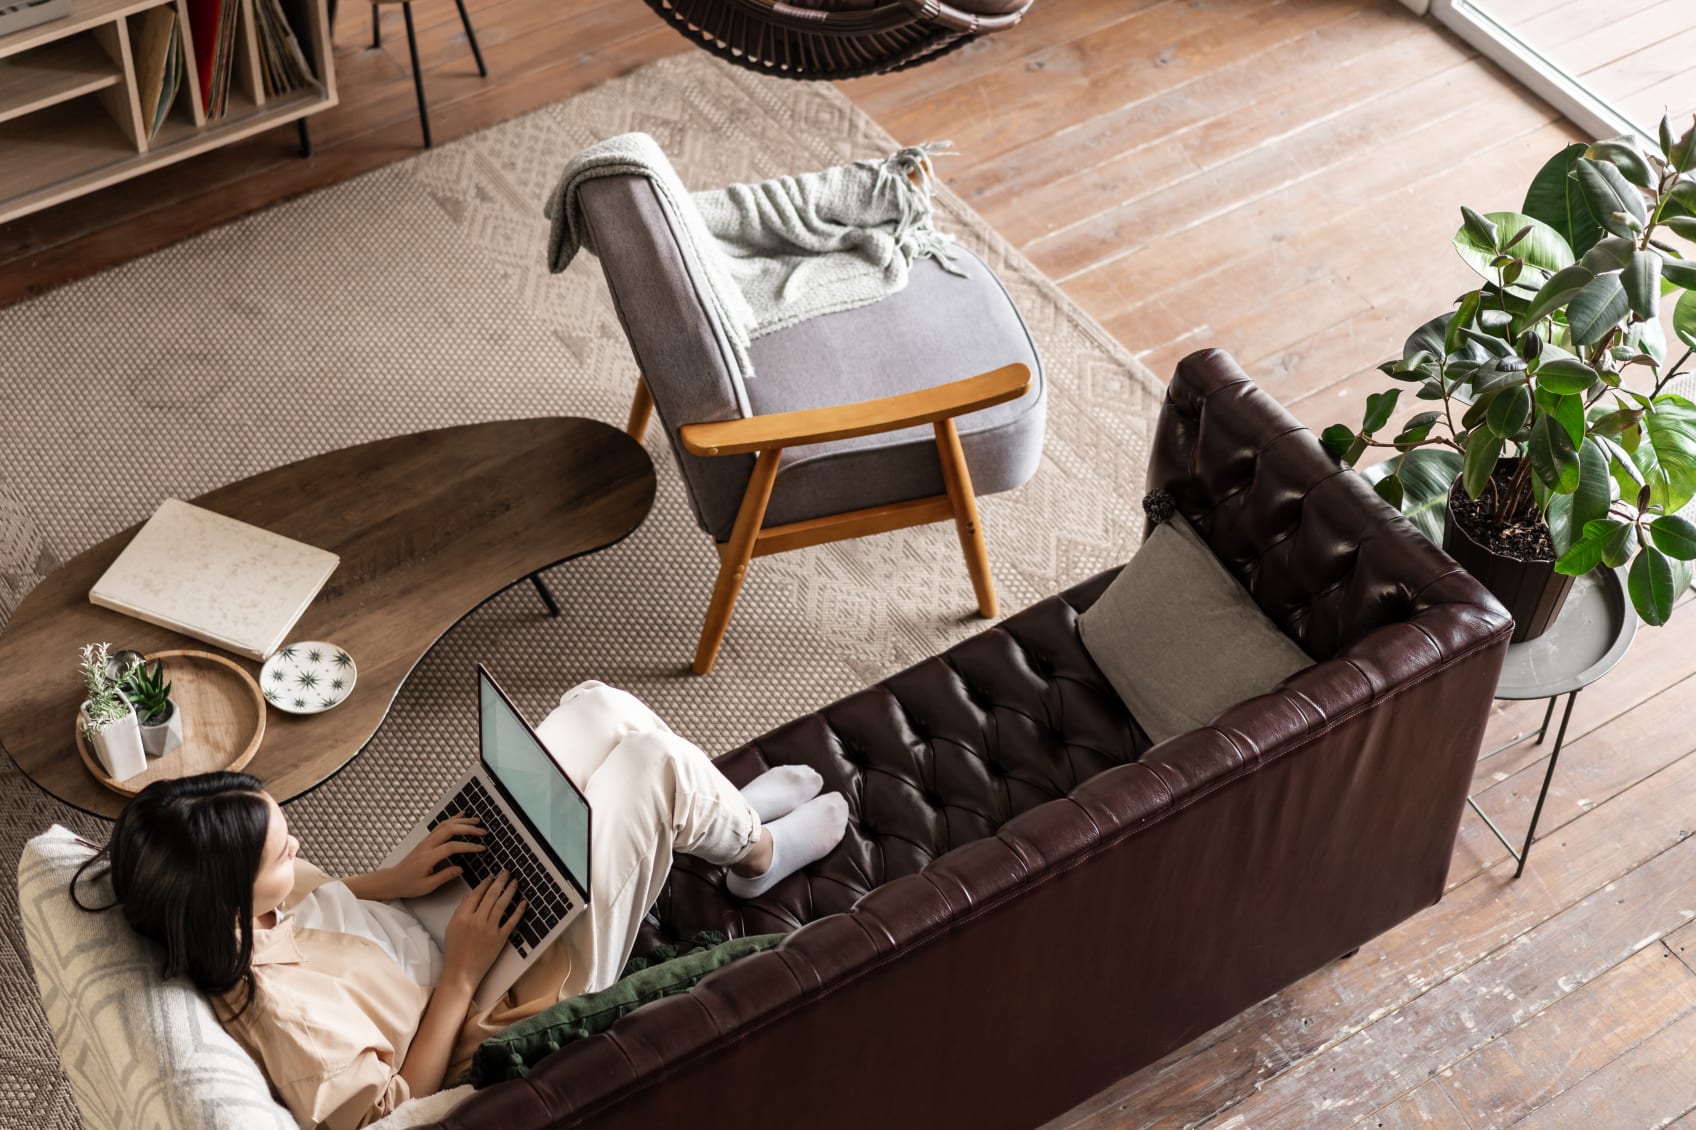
<point>781,790</point>
<point>805,836</point>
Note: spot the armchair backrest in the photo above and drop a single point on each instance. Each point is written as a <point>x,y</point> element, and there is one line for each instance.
<point>680,349</point>
<point>1326,559</point>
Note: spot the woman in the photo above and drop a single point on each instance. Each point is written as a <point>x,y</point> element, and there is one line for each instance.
<point>344,1000</point>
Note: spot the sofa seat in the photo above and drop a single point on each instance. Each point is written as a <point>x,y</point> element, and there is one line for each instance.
<point>940,755</point>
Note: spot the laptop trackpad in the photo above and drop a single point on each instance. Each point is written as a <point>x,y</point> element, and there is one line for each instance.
<point>435,908</point>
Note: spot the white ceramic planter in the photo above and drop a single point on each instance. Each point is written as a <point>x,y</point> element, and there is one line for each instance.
<point>165,737</point>
<point>118,746</point>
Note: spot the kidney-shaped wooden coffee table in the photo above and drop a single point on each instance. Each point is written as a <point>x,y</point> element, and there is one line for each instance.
<point>428,527</point>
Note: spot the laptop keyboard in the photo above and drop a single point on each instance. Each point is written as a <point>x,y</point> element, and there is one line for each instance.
<point>546,901</point>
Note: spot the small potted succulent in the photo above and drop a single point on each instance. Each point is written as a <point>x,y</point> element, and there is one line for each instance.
<point>1552,445</point>
<point>161,721</point>
<point>108,720</point>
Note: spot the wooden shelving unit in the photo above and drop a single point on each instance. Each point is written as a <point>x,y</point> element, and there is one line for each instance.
<point>70,110</point>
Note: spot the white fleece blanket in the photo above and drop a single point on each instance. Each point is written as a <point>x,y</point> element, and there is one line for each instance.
<point>777,252</point>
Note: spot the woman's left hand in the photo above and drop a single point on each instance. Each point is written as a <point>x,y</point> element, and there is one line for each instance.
<point>422,869</point>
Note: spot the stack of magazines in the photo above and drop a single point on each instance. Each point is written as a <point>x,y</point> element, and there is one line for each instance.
<point>158,66</point>
<point>282,62</point>
<point>212,24</point>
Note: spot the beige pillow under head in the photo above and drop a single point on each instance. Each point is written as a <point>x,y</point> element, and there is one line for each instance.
<point>1180,639</point>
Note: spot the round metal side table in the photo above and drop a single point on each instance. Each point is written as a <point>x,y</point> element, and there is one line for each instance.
<point>1584,643</point>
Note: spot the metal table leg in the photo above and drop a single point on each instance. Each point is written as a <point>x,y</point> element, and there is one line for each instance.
<point>542,591</point>
<point>1524,851</point>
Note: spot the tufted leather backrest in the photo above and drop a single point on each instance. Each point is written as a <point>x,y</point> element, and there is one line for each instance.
<point>942,754</point>
<point>952,749</point>
<point>1326,559</point>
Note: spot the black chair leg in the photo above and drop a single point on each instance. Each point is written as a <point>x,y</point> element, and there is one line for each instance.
<point>417,72</point>
<point>376,27</point>
<point>547,597</point>
<point>305,137</point>
<point>465,19</point>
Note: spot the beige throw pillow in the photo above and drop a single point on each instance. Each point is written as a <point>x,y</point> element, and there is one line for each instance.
<point>1180,639</point>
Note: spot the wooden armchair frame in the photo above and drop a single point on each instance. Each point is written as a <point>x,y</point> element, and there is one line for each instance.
<point>770,434</point>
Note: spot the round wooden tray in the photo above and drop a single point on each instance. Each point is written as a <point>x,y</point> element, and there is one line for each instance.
<point>223,720</point>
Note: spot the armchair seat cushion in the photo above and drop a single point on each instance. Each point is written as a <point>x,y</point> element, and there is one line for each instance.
<point>939,328</point>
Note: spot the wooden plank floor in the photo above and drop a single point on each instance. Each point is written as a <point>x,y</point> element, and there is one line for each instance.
<point>1639,55</point>
<point>1279,177</point>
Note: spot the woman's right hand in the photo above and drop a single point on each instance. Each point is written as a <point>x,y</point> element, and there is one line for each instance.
<point>479,928</point>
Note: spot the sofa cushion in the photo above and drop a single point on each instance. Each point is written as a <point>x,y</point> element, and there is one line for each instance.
<point>510,1053</point>
<point>1180,639</point>
<point>141,1051</point>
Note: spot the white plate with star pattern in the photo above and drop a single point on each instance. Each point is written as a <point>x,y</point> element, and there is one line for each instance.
<point>308,677</point>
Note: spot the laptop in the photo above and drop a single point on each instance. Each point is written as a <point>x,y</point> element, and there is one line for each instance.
<point>538,830</point>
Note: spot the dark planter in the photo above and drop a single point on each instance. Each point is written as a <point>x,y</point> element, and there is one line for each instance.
<point>1532,591</point>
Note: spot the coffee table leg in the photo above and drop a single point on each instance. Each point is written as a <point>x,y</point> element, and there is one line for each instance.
<point>548,597</point>
<point>1554,756</point>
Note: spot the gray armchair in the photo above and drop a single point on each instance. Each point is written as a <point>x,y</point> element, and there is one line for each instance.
<point>827,440</point>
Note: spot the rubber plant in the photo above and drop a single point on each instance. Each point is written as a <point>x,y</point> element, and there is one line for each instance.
<point>1548,383</point>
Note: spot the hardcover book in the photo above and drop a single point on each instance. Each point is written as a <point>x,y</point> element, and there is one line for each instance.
<point>214,578</point>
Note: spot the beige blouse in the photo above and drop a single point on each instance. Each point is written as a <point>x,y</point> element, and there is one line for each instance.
<point>333,1016</point>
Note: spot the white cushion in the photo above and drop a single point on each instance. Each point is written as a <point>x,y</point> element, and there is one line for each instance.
<point>142,1053</point>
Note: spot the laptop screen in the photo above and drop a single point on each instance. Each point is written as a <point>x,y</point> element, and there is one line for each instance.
<point>515,757</point>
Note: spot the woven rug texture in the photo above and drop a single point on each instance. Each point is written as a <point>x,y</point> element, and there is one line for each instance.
<point>417,297</point>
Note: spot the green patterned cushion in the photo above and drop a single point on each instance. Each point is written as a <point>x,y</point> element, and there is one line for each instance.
<point>512,1052</point>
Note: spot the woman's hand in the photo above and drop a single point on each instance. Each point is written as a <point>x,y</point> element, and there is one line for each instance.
<point>473,940</point>
<point>424,868</point>
<point>479,928</point>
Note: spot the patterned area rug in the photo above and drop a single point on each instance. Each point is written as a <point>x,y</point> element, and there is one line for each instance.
<point>417,297</point>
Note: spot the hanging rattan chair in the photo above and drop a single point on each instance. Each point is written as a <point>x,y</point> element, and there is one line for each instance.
<point>832,39</point>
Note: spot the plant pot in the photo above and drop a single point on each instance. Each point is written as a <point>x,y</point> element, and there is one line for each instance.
<point>166,735</point>
<point>118,664</point>
<point>118,746</point>
<point>1531,590</point>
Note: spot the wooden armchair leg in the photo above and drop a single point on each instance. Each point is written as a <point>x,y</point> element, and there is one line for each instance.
<point>641,410</point>
<point>734,558</point>
<point>958,480</point>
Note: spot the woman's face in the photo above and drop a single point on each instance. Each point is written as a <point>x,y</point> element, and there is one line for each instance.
<point>276,866</point>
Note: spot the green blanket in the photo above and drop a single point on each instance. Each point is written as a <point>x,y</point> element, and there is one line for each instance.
<point>513,1051</point>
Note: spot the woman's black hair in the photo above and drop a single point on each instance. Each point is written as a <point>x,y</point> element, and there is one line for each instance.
<point>182,859</point>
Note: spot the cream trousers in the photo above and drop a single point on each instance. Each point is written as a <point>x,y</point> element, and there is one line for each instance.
<point>651,793</point>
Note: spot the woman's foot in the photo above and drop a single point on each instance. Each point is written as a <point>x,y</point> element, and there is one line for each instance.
<point>781,790</point>
<point>805,836</point>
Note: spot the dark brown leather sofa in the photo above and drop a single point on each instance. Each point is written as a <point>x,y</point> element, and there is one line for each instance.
<point>1031,902</point>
